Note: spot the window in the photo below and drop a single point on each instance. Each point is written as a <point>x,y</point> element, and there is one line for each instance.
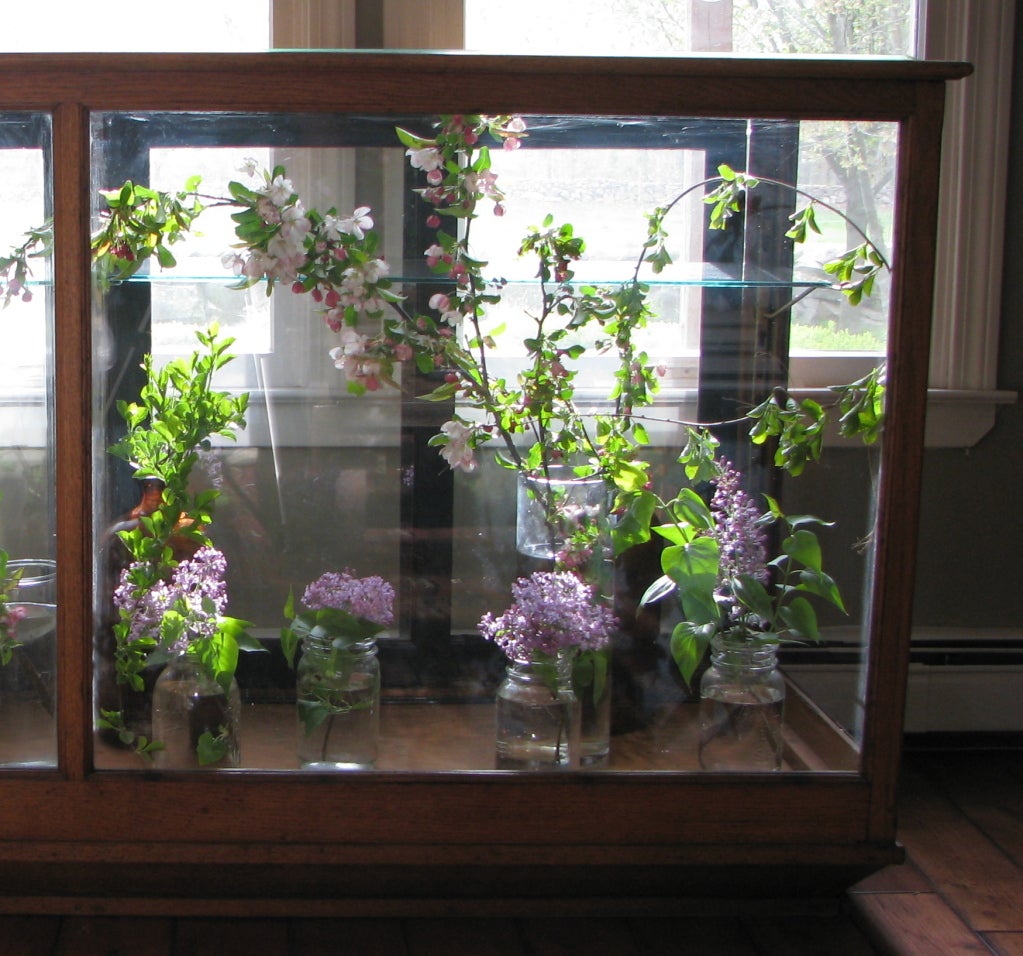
<point>105,26</point>
<point>967,313</point>
<point>968,295</point>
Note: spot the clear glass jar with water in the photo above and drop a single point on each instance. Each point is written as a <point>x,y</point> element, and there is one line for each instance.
<point>538,717</point>
<point>337,689</point>
<point>195,720</point>
<point>742,704</point>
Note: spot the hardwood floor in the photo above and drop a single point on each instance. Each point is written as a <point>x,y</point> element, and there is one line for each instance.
<point>960,891</point>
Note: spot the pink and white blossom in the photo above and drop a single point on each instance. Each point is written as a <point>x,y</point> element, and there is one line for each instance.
<point>279,191</point>
<point>458,452</point>
<point>357,223</point>
<point>426,158</point>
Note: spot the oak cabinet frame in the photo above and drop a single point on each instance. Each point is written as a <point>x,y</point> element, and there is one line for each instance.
<point>265,842</point>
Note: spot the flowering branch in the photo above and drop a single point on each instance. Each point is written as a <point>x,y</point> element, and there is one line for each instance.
<point>15,268</point>
<point>335,259</point>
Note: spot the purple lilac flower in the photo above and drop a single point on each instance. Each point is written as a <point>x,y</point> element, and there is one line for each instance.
<point>196,591</point>
<point>740,536</point>
<point>370,598</point>
<point>550,611</point>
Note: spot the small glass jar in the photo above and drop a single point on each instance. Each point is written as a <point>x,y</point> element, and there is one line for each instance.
<point>195,719</point>
<point>742,704</point>
<point>552,508</point>
<point>537,717</point>
<point>591,682</point>
<point>337,689</point>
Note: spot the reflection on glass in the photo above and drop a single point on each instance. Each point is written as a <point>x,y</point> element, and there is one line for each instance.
<point>324,479</point>
<point>28,611</point>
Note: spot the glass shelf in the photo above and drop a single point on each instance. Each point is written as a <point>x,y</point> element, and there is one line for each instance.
<point>701,275</point>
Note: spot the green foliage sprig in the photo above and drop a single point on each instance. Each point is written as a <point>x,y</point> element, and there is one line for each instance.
<point>138,223</point>
<point>722,589</point>
<point>176,416</point>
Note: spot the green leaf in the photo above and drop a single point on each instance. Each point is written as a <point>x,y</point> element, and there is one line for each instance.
<point>689,508</point>
<point>661,588</point>
<point>694,568</point>
<point>631,477</point>
<point>688,646</point>
<point>673,533</point>
<point>210,749</point>
<point>410,139</point>
<point>803,546</point>
<point>822,585</point>
<point>312,713</point>
<point>800,620</point>
<point>165,257</point>
<point>753,595</point>
<point>633,527</point>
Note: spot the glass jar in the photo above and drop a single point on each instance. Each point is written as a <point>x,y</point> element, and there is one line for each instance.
<point>337,689</point>
<point>195,719</point>
<point>31,669</point>
<point>591,683</point>
<point>554,507</point>
<point>537,716</point>
<point>742,703</point>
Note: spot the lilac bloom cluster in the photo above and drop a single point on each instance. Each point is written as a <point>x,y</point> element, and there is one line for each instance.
<point>370,598</point>
<point>196,592</point>
<point>738,531</point>
<point>551,611</point>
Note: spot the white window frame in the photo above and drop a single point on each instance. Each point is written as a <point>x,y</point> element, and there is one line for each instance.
<point>964,396</point>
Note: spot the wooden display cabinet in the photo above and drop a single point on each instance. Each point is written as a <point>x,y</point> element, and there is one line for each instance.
<point>434,829</point>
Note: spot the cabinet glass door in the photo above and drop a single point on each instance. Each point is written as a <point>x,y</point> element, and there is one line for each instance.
<point>380,274</point>
<point>28,566</point>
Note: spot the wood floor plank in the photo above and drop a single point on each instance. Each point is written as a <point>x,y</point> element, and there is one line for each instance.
<point>979,881</point>
<point>913,924</point>
<point>694,936</point>
<point>1005,944</point>
<point>987,790</point>
<point>115,936</point>
<point>357,937</point>
<point>28,935</point>
<point>481,937</point>
<point>218,937</point>
<point>594,936</point>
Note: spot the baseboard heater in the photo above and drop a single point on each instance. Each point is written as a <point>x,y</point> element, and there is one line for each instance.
<point>961,681</point>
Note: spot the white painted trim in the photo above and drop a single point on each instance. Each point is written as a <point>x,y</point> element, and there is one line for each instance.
<point>971,206</point>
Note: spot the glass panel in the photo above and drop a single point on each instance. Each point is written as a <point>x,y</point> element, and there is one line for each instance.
<point>27,536</point>
<point>342,466</point>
